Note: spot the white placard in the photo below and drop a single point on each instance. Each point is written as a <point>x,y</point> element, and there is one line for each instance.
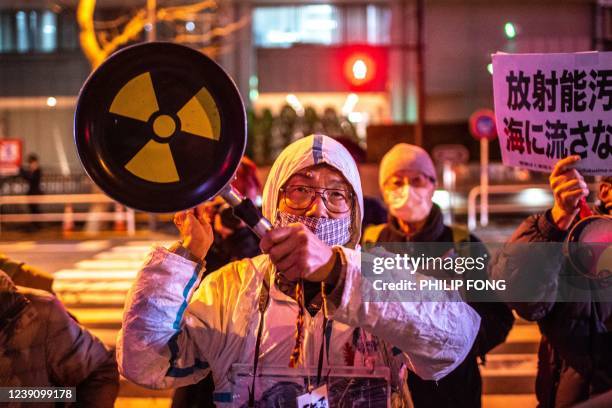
<point>550,106</point>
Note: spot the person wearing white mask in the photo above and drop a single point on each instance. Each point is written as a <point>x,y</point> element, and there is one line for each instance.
<point>176,330</point>
<point>407,181</point>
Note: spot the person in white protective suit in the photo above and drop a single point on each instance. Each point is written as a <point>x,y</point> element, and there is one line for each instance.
<point>176,329</point>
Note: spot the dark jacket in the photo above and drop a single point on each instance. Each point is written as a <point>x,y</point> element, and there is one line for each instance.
<point>374,212</point>
<point>575,355</point>
<point>242,243</point>
<point>42,346</point>
<point>462,387</point>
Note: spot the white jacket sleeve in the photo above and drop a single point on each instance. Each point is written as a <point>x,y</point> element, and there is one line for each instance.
<point>434,336</point>
<point>161,343</point>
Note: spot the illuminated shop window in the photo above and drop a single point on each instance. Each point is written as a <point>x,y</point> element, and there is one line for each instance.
<point>284,26</point>
<point>7,33</point>
<point>23,34</point>
<point>47,32</point>
<point>320,24</point>
<point>37,31</point>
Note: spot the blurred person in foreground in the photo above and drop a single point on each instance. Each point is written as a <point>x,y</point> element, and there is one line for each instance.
<point>407,180</point>
<point>173,335</point>
<point>26,275</point>
<point>575,354</point>
<point>42,346</point>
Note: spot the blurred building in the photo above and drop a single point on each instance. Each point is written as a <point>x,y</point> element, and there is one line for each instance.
<point>357,57</point>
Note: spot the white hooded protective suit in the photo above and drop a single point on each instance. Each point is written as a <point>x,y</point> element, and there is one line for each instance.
<point>176,329</point>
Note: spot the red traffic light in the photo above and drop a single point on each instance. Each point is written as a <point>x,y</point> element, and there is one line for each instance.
<point>359,69</point>
<point>363,68</point>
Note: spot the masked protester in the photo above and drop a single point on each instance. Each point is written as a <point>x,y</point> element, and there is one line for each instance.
<point>233,240</point>
<point>43,346</point>
<point>173,335</point>
<point>575,354</point>
<point>407,181</point>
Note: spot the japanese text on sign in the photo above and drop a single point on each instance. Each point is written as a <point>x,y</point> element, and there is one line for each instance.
<point>549,106</point>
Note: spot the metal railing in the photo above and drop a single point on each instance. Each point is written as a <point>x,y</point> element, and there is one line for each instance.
<point>68,216</point>
<point>51,183</point>
<point>502,189</point>
<point>492,190</point>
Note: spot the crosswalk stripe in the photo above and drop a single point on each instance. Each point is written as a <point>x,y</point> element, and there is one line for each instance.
<point>120,256</point>
<point>17,246</point>
<point>97,275</point>
<point>147,244</point>
<point>92,315</point>
<point>502,365</point>
<point>98,264</point>
<point>93,299</point>
<point>25,246</point>
<point>92,286</point>
<point>143,249</point>
<point>523,332</point>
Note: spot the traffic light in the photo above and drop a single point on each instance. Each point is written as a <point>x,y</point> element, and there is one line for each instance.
<point>359,69</point>
<point>364,68</point>
<point>510,30</point>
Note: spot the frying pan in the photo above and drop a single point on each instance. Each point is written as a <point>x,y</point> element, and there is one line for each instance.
<point>160,127</point>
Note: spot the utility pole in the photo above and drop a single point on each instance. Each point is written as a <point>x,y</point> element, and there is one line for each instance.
<point>420,73</point>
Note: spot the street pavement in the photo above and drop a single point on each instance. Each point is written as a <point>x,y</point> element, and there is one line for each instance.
<point>92,278</point>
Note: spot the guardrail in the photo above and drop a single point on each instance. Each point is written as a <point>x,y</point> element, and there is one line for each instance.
<point>501,189</point>
<point>492,190</point>
<point>68,216</point>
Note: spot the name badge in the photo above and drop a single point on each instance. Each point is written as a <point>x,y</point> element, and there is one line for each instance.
<point>317,398</point>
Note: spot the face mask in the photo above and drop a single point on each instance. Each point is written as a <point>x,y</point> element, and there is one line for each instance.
<point>332,231</point>
<point>409,204</point>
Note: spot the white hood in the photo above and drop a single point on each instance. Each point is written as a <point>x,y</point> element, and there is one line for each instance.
<point>310,151</point>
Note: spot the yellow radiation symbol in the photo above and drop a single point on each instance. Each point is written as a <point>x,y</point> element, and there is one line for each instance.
<point>137,100</point>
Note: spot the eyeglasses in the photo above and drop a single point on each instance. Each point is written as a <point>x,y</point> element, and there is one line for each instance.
<point>298,197</point>
<point>397,181</point>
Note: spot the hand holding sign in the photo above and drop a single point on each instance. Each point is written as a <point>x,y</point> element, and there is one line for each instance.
<point>568,188</point>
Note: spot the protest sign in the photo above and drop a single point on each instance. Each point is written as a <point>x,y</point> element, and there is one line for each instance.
<point>549,106</point>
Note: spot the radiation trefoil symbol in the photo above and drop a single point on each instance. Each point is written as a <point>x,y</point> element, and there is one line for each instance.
<point>137,100</point>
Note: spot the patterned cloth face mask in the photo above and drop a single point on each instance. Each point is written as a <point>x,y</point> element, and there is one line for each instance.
<point>332,231</point>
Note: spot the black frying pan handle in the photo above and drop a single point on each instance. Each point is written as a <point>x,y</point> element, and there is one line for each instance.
<point>246,211</point>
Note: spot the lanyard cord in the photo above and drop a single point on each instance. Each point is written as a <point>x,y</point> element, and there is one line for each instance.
<point>296,354</point>
<point>323,333</point>
<point>264,297</point>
